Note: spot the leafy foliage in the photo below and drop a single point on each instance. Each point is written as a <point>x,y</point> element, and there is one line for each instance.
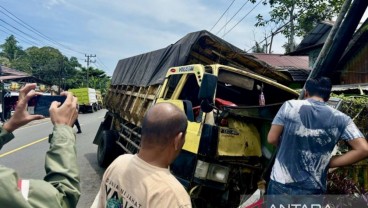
<point>257,48</point>
<point>10,49</point>
<point>350,180</point>
<point>298,17</point>
<point>50,65</point>
<point>357,108</point>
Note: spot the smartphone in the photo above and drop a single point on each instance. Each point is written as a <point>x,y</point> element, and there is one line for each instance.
<point>41,104</point>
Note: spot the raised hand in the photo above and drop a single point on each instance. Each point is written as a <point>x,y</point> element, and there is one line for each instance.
<point>67,113</point>
<point>21,116</point>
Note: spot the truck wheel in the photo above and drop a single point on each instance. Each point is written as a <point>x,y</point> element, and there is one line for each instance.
<point>106,151</point>
<point>94,108</point>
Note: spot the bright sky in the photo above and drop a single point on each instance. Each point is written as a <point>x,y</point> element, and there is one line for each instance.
<point>114,29</point>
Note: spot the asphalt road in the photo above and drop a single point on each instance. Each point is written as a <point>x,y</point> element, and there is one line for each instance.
<point>26,153</point>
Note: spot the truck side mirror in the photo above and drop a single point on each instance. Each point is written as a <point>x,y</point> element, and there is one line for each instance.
<point>207,91</point>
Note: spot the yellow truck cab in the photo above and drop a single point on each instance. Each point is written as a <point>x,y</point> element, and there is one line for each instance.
<point>225,150</point>
<point>219,87</point>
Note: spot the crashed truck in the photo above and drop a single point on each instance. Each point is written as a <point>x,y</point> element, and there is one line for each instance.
<point>218,86</point>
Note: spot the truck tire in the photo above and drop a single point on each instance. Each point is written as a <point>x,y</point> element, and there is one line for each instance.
<point>94,108</point>
<point>106,151</point>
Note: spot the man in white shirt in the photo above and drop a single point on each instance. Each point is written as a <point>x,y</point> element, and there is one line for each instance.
<point>144,180</point>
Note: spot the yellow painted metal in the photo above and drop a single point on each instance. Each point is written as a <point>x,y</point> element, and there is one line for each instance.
<point>179,87</point>
<point>99,97</point>
<point>195,68</point>
<point>239,139</point>
<point>82,95</point>
<point>193,131</point>
<point>217,67</point>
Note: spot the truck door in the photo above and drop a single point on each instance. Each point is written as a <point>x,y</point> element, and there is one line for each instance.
<point>182,91</point>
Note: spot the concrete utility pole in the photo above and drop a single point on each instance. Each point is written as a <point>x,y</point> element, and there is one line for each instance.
<point>61,65</point>
<point>338,39</point>
<point>2,96</point>
<point>89,61</point>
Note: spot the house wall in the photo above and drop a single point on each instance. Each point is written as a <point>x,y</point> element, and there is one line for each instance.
<point>355,70</point>
<point>313,55</point>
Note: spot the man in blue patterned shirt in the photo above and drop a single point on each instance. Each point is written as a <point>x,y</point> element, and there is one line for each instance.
<point>306,132</point>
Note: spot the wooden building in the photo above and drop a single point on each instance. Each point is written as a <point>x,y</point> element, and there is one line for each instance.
<point>353,66</point>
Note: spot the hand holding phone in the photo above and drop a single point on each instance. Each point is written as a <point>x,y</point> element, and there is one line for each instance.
<point>42,104</point>
<point>21,116</point>
<point>64,114</point>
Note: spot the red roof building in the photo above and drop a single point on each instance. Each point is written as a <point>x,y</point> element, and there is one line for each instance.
<point>296,67</point>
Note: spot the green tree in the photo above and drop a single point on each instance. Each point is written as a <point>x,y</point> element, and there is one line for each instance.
<point>257,48</point>
<point>4,61</point>
<point>51,66</point>
<point>97,78</point>
<point>298,17</point>
<point>10,49</point>
<point>46,63</point>
<point>22,64</point>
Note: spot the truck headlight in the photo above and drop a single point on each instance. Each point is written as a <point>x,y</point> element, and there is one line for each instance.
<point>201,169</point>
<point>218,173</point>
<point>211,172</point>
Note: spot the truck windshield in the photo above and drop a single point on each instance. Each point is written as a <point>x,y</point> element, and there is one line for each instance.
<point>245,91</point>
<point>184,87</point>
<point>188,91</point>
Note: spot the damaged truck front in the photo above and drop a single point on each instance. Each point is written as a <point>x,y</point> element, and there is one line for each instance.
<point>226,146</point>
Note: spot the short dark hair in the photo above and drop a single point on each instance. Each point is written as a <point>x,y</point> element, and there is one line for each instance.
<point>161,130</point>
<point>320,87</point>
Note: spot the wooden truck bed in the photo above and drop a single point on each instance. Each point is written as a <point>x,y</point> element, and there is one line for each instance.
<point>130,102</point>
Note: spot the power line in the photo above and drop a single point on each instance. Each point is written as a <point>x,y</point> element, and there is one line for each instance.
<point>27,40</point>
<point>222,15</point>
<point>89,61</point>
<point>278,30</point>
<point>31,42</point>
<point>232,17</point>
<point>29,27</point>
<point>20,30</point>
<point>98,66</point>
<point>99,60</point>
<point>21,39</point>
<point>242,18</point>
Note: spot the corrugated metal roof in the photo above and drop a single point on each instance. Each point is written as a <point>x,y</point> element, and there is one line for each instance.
<point>11,77</point>
<point>299,75</point>
<point>12,72</point>
<point>315,38</point>
<point>359,86</point>
<point>284,61</point>
<point>317,35</point>
<point>297,67</point>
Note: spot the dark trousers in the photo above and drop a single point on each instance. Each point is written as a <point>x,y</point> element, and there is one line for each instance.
<point>283,195</point>
<point>77,124</point>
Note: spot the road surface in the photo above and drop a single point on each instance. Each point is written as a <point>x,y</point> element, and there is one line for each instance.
<point>26,153</point>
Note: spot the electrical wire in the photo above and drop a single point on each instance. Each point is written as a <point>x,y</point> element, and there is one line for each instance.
<point>272,33</point>
<point>21,39</point>
<point>222,15</point>
<point>31,42</point>
<point>97,65</point>
<point>242,18</point>
<point>20,30</point>
<point>29,27</point>
<point>99,60</point>
<point>232,17</point>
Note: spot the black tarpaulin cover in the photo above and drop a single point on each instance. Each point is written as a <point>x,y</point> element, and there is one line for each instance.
<point>150,68</point>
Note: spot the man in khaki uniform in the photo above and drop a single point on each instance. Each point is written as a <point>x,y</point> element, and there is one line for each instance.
<point>60,187</point>
<point>144,180</point>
